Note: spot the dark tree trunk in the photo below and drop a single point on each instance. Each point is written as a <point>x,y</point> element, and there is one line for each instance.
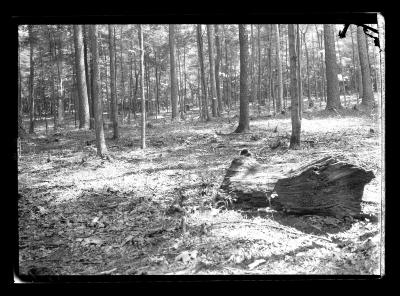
<point>296,121</point>
<point>244,89</point>
<point>98,108</point>
<point>327,186</point>
<point>81,75</point>
<point>332,100</point>
<point>205,113</point>
<point>114,105</point>
<point>367,97</point>
<point>217,68</point>
<point>88,75</point>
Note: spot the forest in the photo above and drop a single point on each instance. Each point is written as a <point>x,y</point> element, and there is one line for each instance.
<point>136,141</point>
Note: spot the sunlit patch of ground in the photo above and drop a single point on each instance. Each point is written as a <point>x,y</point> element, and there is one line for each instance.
<point>80,214</point>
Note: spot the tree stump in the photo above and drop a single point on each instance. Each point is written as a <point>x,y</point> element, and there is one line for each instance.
<point>328,187</point>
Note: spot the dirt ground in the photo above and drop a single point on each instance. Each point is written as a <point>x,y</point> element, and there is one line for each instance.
<point>82,215</point>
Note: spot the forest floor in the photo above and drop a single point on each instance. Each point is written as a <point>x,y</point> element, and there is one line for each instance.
<point>82,215</point>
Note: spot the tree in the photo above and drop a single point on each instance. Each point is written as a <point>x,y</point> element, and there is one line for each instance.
<point>279,98</point>
<point>113,83</point>
<point>296,122</point>
<point>217,66</point>
<point>174,82</point>
<point>298,50</point>
<point>210,35</point>
<point>88,74</point>
<point>332,83</point>
<point>244,88</point>
<point>31,80</point>
<point>368,97</point>
<point>97,104</point>
<point>143,130</point>
<point>205,113</point>
<point>81,81</point>
<point>60,58</point>
<point>21,129</point>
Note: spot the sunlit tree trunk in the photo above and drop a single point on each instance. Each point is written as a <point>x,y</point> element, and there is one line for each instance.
<point>143,129</point>
<point>88,74</point>
<point>31,80</point>
<point>296,122</point>
<point>98,108</point>
<point>81,78</point>
<point>244,125</point>
<point>217,68</point>
<point>332,83</point>
<point>279,68</point>
<point>210,35</point>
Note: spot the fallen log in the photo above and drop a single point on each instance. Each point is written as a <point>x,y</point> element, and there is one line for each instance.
<point>328,186</point>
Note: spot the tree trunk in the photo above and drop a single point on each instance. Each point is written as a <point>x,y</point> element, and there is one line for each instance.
<point>381,29</point>
<point>174,98</point>
<point>279,68</point>
<point>296,121</point>
<point>114,105</point>
<point>143,129</point>
<point>98,108</point>
<point>217,69</point>
<point>332,100</point>
<point>81,82</point>
<point>122,79</point>
<point>244,125</point>
<point>21,129</point>
<point>310,102</point>
<point>205,113</point>
<point>298,48</point>
<point>341,72</point>
<point>31,81</point>
<point>88,75</point>
<point>259,67</point>
<point>368,97</point>
<point>210,35</point>
<point>327,186</point>
<point>60,108</point>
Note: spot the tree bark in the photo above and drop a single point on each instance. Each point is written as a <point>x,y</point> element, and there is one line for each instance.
<point>244,125</point>
<point>60,108</point>
<point>31,81</point>
<point>217,69</point>
<point>205,113</point>
<point>88,74</point>
<point>114,105</point>
<point>332,100</point>
<point>210,35</point>
<point>368,97</point>
<point>296,121</point>
<point>143,129</point>
<point>81,82</point>
<point>327,186</point>
<point>298,48</point>
<point>98,108</point>
<point>279,97</point>
<point>122,78</point>
<point>174,98</point>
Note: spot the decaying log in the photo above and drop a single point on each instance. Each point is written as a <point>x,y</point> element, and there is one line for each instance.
<point>327,186</point>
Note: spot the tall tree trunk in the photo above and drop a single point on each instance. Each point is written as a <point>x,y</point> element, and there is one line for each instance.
<point>98,108</point>
<point>310,102</point>
<point>244,125</point>
<point>227,72</point>
<point>31,81</point>
<point>298,45</point>
<point>113,83</point>
<point>174,97</point>
<point>81,75</point>
<point>60,109</point>
<point>296,121</point>
<point>341,72</point>
<point>217,66</point>
<point>122,78</point>
<point>88,74</point>
<point>143,129</point>
<point>252,86</point>
<point>210,35</point>
<point>205,113</point>
<point>21,129</point>
<point>259,66</point>
<point>279,97</point>
<point>333,100</point>
<point>381,30</point>
<point>368,97</point>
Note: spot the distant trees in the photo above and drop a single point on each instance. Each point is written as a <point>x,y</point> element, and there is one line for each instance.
<point>333,99</point>
<point>204,104</point>
<point>295,116</point>
<point>97,104</point>
<point>80,77</point>
<point>210,35</point>
<point>244,87</point>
